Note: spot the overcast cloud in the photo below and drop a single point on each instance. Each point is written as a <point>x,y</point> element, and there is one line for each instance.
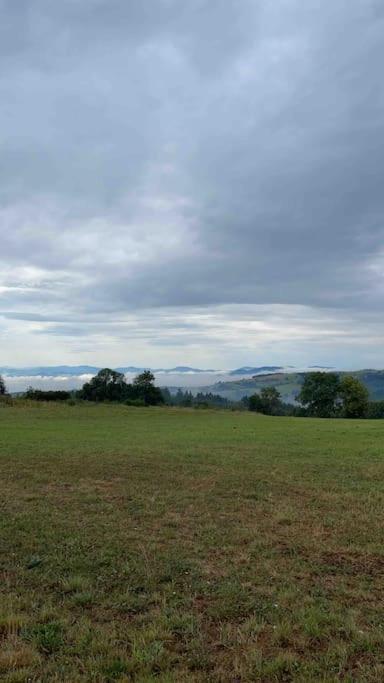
<point>194,182</point>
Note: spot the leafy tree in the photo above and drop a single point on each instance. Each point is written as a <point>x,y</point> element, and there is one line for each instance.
<point>267,402</point>
<point>107,385</point>
<point>255,403</point>
<point>320,394</point>
<point>375,410</point>
<point>3,388</point>
<point>144,388</point>
<point>145,379</point>
<point>270,399</point>
<point>354,396</point>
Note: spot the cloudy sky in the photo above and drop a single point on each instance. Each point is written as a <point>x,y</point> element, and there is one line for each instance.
<point>196,182</point>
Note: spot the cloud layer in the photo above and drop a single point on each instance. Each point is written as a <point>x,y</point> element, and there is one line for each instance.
<point>186,181</point>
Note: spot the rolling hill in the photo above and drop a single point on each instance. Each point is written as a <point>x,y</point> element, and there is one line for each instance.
<point>289,383</point>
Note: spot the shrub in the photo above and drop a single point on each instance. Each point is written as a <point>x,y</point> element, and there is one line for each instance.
<point>39,395</point>
<point>137,402</point>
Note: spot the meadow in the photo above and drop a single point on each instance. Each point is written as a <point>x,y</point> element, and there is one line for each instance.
<point>178,545</point>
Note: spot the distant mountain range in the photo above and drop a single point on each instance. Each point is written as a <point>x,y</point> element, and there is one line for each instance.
<point>78,370</point>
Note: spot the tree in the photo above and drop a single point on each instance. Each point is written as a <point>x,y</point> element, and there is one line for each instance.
<point>354,396</point>
<point>145,379</point>
<point>375,410</point>
<point>3,388</point>
<point>144,388</point>
<point>320,394</point>
<point>267,402</point>
<point>255,403</point>
<point>167,396</point>
<point>107,385</point>
<point>270,399</point>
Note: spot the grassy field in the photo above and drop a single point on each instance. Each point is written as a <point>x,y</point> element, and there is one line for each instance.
<point>181,545</point>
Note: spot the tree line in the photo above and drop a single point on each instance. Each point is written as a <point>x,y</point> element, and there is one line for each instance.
<point>111,386</point>
<point>107,385</point>
<point>186,399</point>
<point>323,394</point>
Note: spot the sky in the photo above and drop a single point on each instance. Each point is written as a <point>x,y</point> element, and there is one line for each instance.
<point>196,182</point>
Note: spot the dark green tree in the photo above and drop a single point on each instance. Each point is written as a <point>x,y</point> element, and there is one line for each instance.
<point>107,385</point>
<point>166,396</point>
<point>375,410</point>
<point>143,388</point>
<point>354,396</point>
<point>254,403</point>
<point>3,388</point>
<point>267,402</point>
<point>271,400</point>
<point>178,397</point>
<point>320,394</point>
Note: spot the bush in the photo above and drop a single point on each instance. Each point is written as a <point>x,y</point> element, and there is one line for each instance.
<point>375,410</point>
<point>39,395</point>
<point>136,402</point>
<point>6,400</point>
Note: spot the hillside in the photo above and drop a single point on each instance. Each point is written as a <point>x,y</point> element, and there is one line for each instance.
<point>289,383</point>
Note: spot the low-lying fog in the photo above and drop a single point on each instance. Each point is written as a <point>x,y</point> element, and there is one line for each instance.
<point>19,384</point>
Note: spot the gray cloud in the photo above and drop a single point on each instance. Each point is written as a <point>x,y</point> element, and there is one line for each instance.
<point>191,155</point>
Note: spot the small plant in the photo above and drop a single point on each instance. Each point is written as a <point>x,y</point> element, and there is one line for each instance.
<point>75,584</point>
<point>48,638</point>
<point>114,670</point>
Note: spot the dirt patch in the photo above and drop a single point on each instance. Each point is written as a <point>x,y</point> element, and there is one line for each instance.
<point>353,563</point>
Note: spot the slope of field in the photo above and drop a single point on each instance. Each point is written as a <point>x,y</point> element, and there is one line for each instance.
<point>289,384</point>
<point>182,545</point>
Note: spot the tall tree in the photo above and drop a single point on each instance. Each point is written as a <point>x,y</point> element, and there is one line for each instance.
<point>3,388</point>
<point>144,388</point>
<point>320,394</point>
<point>107,385</point>
<point>254,403</point>
<point>354,396</point>
<point>270,399</point>
<point>267,402</point>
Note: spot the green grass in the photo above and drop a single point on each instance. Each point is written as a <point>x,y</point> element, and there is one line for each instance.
<point>181,545</point>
